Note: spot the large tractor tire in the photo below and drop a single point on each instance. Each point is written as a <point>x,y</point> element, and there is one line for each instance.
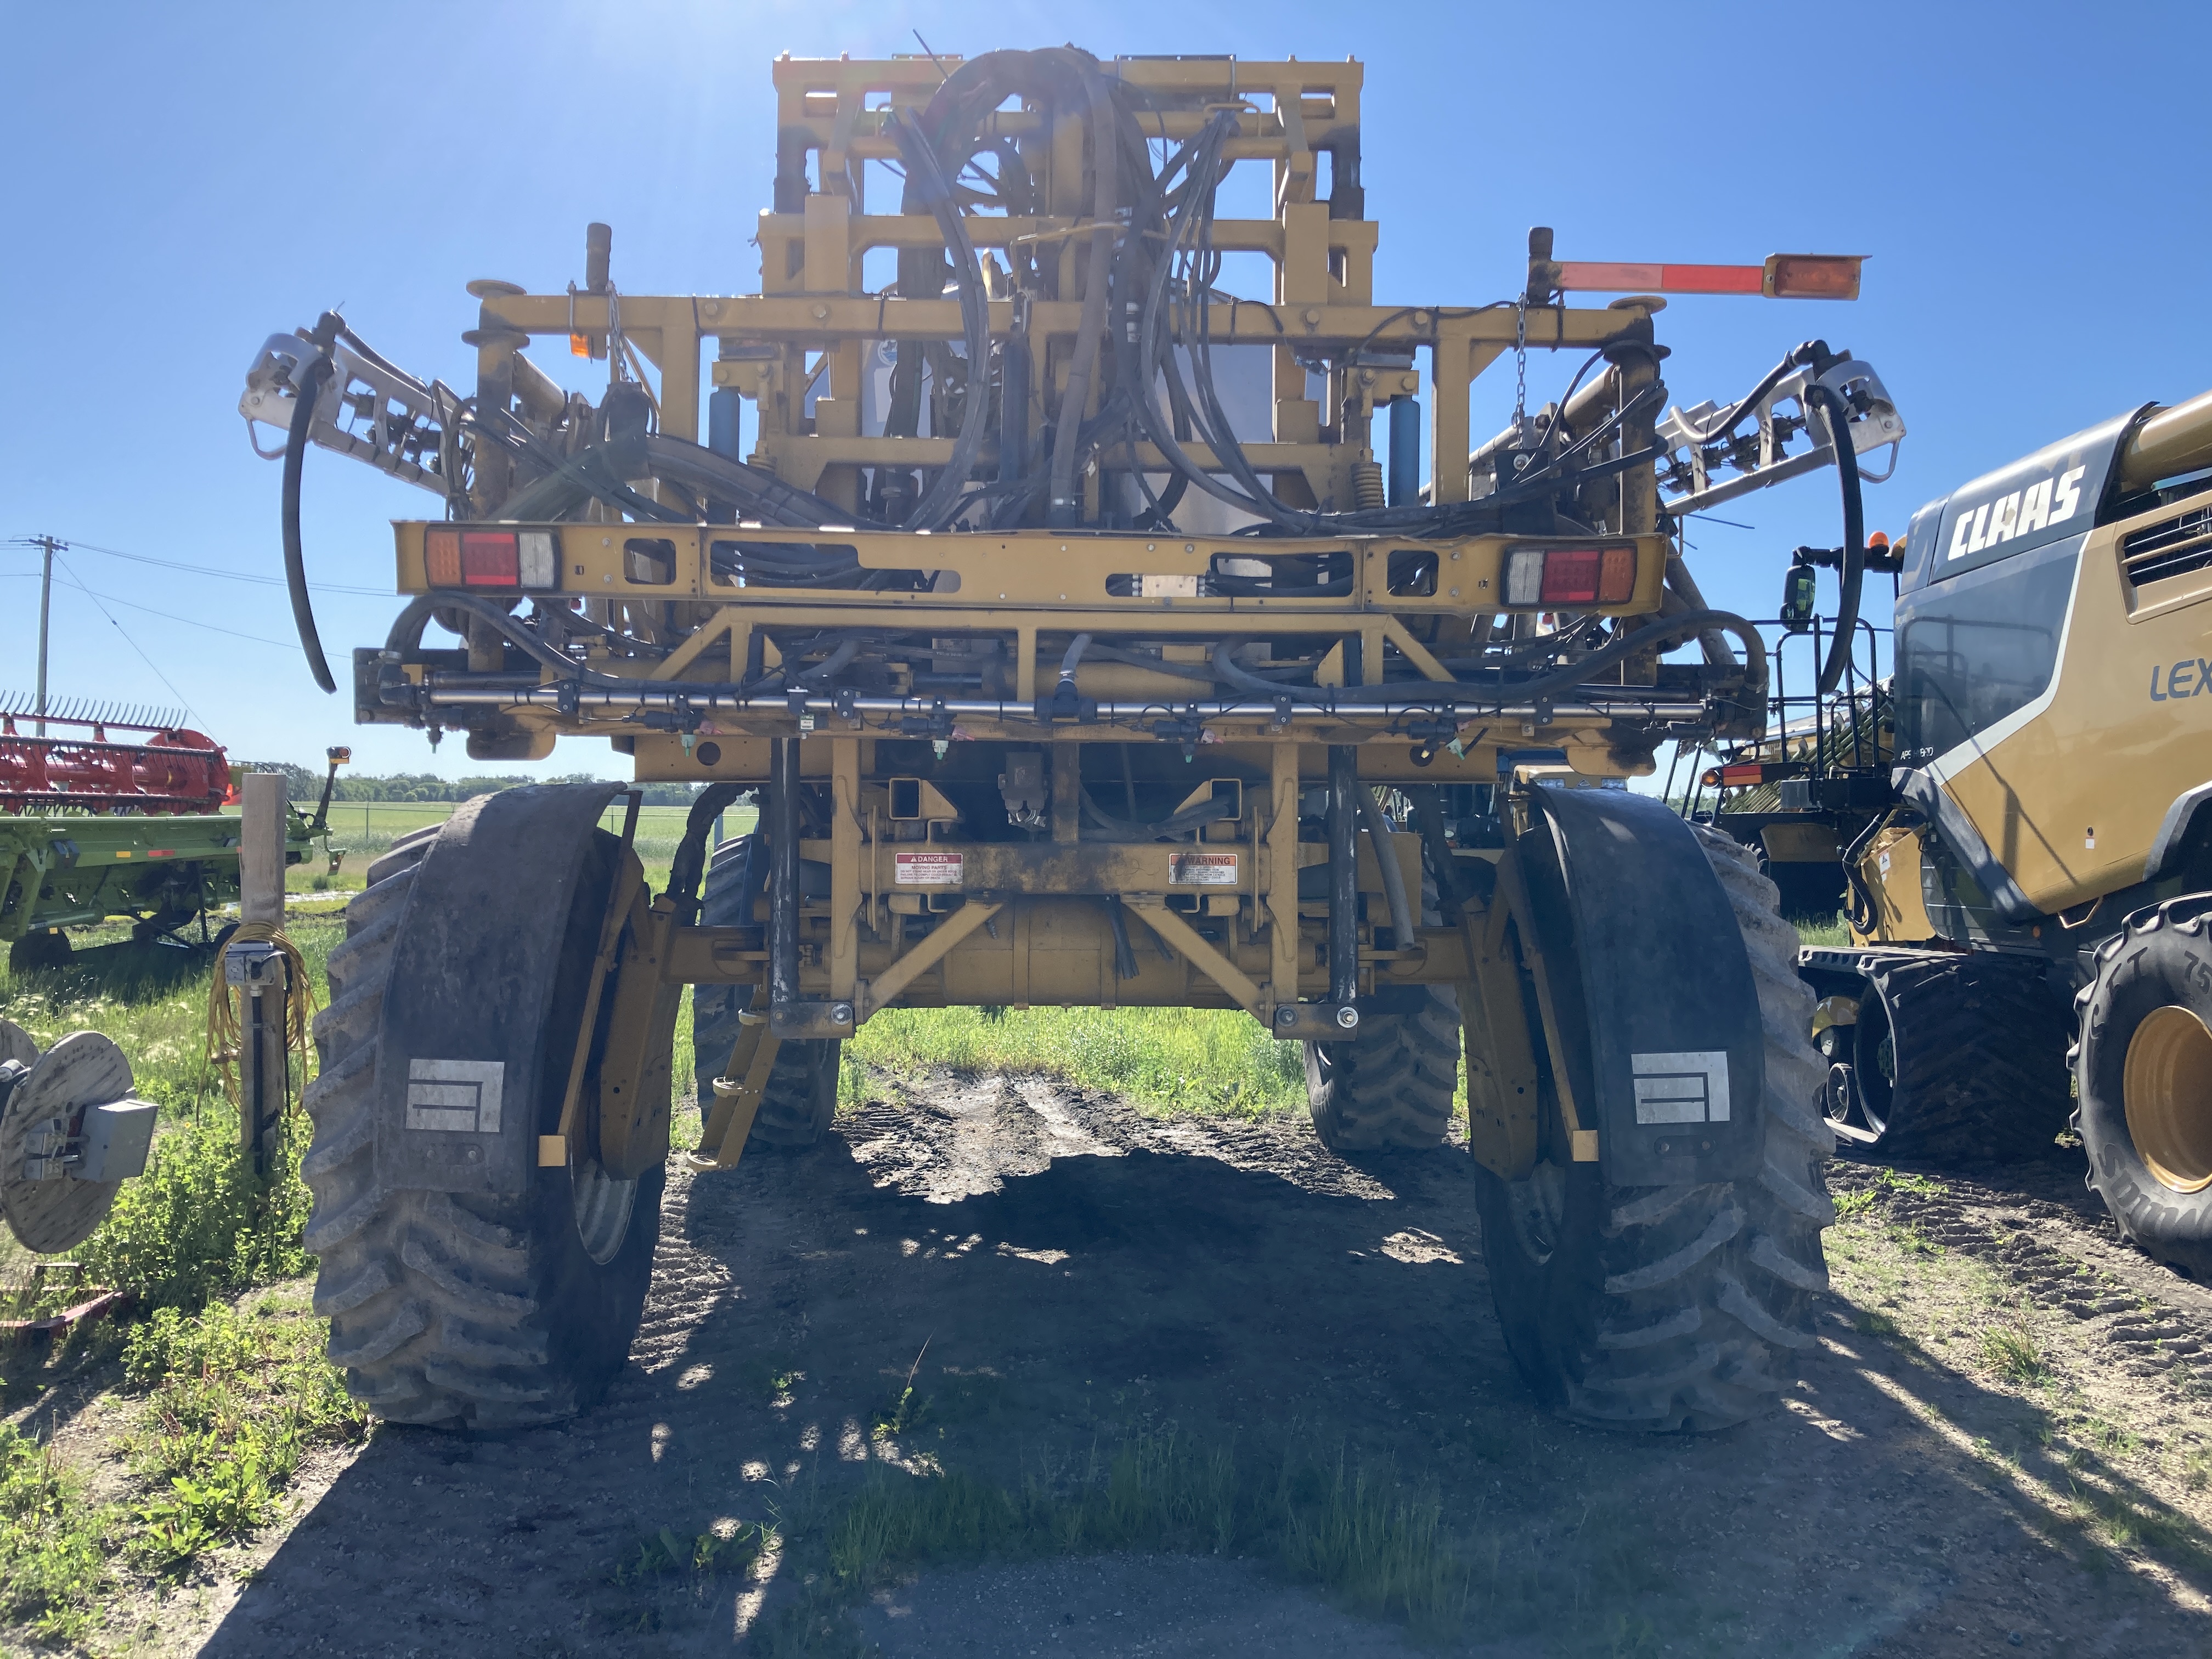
<point>801,1097</point>
<point>466,1310</point>
<point>38,950</point>
<point>1389,1085</point>
<point>2144,1066</point>
<point>1662,1308</point>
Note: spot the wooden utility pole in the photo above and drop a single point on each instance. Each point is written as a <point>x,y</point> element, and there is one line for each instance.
<point>258,968</point>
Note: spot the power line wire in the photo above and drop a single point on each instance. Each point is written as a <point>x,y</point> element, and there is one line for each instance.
<point>166,616</point>
<point>134,644</point>
<point>228,575</point>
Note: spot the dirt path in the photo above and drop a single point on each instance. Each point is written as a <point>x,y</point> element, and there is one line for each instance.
<point>2000,1445</point>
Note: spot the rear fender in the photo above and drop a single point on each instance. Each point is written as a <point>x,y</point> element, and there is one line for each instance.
<point>1675,1068</point>
<point>460,1082</point>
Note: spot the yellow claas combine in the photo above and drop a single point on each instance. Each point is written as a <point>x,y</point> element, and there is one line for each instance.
<point>1076,605</point>
<point>2047,840</point>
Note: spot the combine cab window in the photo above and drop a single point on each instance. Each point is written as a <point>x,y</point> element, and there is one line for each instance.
<point>1971,650</point>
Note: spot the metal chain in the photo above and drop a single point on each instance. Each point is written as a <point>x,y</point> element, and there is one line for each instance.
<point>1520,363</point>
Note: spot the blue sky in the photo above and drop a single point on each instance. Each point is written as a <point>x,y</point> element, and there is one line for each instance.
<point>2027,179</point>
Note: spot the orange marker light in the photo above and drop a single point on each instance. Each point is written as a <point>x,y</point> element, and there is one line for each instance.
<point>1616,580</point>
<point>441,557</point>
<point>1813,276</point>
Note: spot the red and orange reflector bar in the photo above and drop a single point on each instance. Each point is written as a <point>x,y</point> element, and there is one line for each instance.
<point>453,557</point>
<point>1561,577</point>
<point>1784,277</point>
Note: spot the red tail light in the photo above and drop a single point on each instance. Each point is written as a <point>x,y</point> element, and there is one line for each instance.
<point>1571,575</point>
<point>1565,577</point>
<point>490,558</point>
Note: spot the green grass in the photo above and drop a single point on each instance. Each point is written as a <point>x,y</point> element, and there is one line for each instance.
<point>1834,930</point>
<point>1374,1542</point>
<point>1175,1058</point>
<point>53,1541</point>
<point>223,1403</point>
<point>232,1401</point>
<point>364,831</point>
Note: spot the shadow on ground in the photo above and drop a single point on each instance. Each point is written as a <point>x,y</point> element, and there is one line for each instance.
<point>1056,1273</point>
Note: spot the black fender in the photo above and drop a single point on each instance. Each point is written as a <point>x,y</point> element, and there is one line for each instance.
<point>1675,1070</point>
<point>463,1043</point>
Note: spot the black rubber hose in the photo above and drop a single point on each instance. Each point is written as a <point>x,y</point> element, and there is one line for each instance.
<point>686,870</point>
<point>1178,823</point>
<point>1854,550</point>
<point>937,506</point>
<point>782,817</point>
<point>1343,874</point>
<point>1675,629</point>
<point>304,396</point>
<point>1864,912</point>
<point>1813,352</point>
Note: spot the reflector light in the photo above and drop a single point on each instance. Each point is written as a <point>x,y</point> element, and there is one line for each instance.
<point>1606,276</point>
<point>1616,578</point>
<point>1524,575</point>
<point>538,561</point>
<point>1784,277</point>
<point>441,557</point>
<point>1571,575</point>
<point>489,559</point>
<point>1565,576</point>
<point>1813,276</point>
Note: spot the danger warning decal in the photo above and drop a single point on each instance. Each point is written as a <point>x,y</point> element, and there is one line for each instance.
<point>935,868</point>
<point>1202,869</point>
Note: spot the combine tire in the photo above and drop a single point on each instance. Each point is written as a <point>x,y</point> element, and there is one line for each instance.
<point>48,947</point>
<point>1954,1060</point>
<point>2144,1066</point>
<point>466,1309</point>
<point>1660,1308</point>
<point>1391,1084</point>
<point>801,1097</point>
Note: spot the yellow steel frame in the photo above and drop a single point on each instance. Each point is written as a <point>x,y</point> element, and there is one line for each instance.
<point>1024,923</point>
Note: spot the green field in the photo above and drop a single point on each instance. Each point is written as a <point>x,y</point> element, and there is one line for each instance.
<point>362,830</point>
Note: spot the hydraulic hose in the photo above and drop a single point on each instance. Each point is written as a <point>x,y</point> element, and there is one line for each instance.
<point>1061,504</point>
<point>1673,629</point>
<point>305,395</point>
<point>935,508</point>
<point>1385,862</point>
<point>1813,352</point>
<point>1853,548</point>
<point>1191,817</point>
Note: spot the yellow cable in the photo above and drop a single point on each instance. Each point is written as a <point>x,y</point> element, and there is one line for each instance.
<point>225,1035</point>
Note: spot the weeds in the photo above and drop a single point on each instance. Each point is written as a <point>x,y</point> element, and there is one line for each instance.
<point>2013,1351</point>
<point>53,1542</point>
<point>703,1555</point>
<point>233,1401</point>
<point>1356,1530</point>
<point>1172,1059</point>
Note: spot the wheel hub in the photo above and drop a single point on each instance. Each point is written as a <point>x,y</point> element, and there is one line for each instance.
<point>2167,1087</point>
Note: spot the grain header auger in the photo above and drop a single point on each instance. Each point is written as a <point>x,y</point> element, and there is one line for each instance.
<point>1086,643</point>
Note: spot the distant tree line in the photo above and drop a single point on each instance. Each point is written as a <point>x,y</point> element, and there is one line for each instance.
<point>302,784</point>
